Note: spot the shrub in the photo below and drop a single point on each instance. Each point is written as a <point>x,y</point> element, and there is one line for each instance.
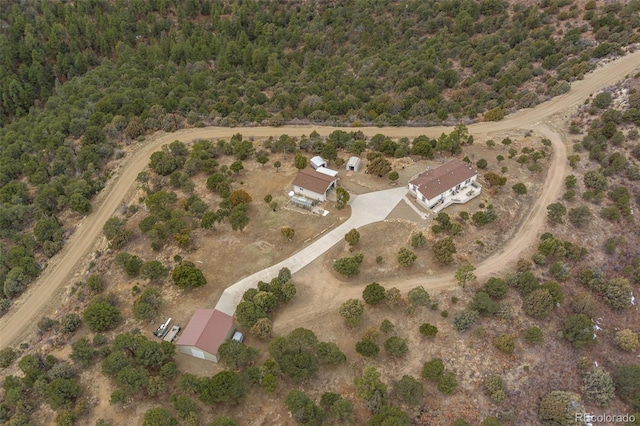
<point>95,283</point>
<point>538,304</point>
<point>146,306</point>
<point>406,257</point>
<point>494,388</point>
<point>491,421</point>
<point>409,390</point>
<point>374,294</point>
<point>347,266</point>
<point>393,298</point>
<point>618,294</point>
<point>578,329</point>
<point>482,163</point>
<point>428,330</point>
<point>598,386</point>
<point>367,348</point>
<point>533,336</point>
<point>447,383</point>
<point>627,381</point>
<point>626,340</point>
<point>496,287</point>
<point>580,216</point>
<point>465,319</point>
<point>262,328</point>
<point>396,346</point>
<point>495,114</point>
<point>352,311</point>
<point>584,303</point>
<point>288,233</point>
<point>100,315</point>
<point>186,275</point>
<point>387,326</point>
<point>70,323</point>
<point>47,324</point>
<point>555,291</point>
<point>560,408</point>
<point>330,353</point>
<point>519,188</point>
<point>504,343</point>
<point>352,237</point>
<point>433,370</point>
<point>418,296</point>
<point>7,356</point>
<point>444,250</point>
<point>418,240</point>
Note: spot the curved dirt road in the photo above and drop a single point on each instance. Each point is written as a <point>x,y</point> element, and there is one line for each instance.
<point>40,296</point>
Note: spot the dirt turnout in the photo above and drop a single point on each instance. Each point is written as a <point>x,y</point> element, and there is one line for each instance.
<point>41,296</point>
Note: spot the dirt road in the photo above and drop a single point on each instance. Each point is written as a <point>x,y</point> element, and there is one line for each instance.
<point>41,295</point>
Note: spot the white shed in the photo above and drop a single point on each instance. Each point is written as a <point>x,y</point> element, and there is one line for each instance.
<point>328,172</point>
<point>317,161</point>
<point>354,164</point>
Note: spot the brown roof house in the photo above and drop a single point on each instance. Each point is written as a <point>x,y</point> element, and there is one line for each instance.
<point>314,185</point>
<point>206,331</point>
<point>452,182</point>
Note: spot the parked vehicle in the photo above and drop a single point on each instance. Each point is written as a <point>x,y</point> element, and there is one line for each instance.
<point>238,337</point>
<point>163,329</point>
<point>172,334</point>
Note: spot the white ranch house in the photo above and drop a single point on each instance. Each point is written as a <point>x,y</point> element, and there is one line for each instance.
<point>313,184</point>
<point>452,182</point>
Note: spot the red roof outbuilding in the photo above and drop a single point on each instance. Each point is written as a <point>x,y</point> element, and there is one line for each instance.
<point>207,330</point>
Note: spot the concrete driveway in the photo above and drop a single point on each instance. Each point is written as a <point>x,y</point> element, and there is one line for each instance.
<point>365,209</point>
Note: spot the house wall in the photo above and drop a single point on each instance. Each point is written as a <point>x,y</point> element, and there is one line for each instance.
<point>201,354</point>
<point>309,194</point>
<point>197,353</point>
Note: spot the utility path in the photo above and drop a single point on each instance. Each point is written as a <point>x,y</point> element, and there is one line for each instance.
<point>43,294</point>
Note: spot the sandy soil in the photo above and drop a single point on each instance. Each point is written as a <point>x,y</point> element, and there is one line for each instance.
<point>42,295</point>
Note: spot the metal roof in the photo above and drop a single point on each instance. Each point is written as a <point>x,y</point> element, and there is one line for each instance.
<point>207,330</point>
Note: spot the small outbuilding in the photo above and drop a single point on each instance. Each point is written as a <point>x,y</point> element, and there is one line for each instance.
<point>317,161</point>
<point>313,185</point>
<point>206,331</point>
<point>328,172</point>
<point>354,164</point>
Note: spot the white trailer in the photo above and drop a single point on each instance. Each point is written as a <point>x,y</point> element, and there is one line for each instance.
<point>172,334</point>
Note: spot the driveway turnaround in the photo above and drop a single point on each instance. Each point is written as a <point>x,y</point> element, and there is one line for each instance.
<point>365,209</point>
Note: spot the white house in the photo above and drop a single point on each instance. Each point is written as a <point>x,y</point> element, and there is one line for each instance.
<point>206,331</point>
<point>314,185</point>
<point>354,164</point>
<point>452,182</point>
<point>317,161</point>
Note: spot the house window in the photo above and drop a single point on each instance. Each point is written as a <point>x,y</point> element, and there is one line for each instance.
<point>424,199</point>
